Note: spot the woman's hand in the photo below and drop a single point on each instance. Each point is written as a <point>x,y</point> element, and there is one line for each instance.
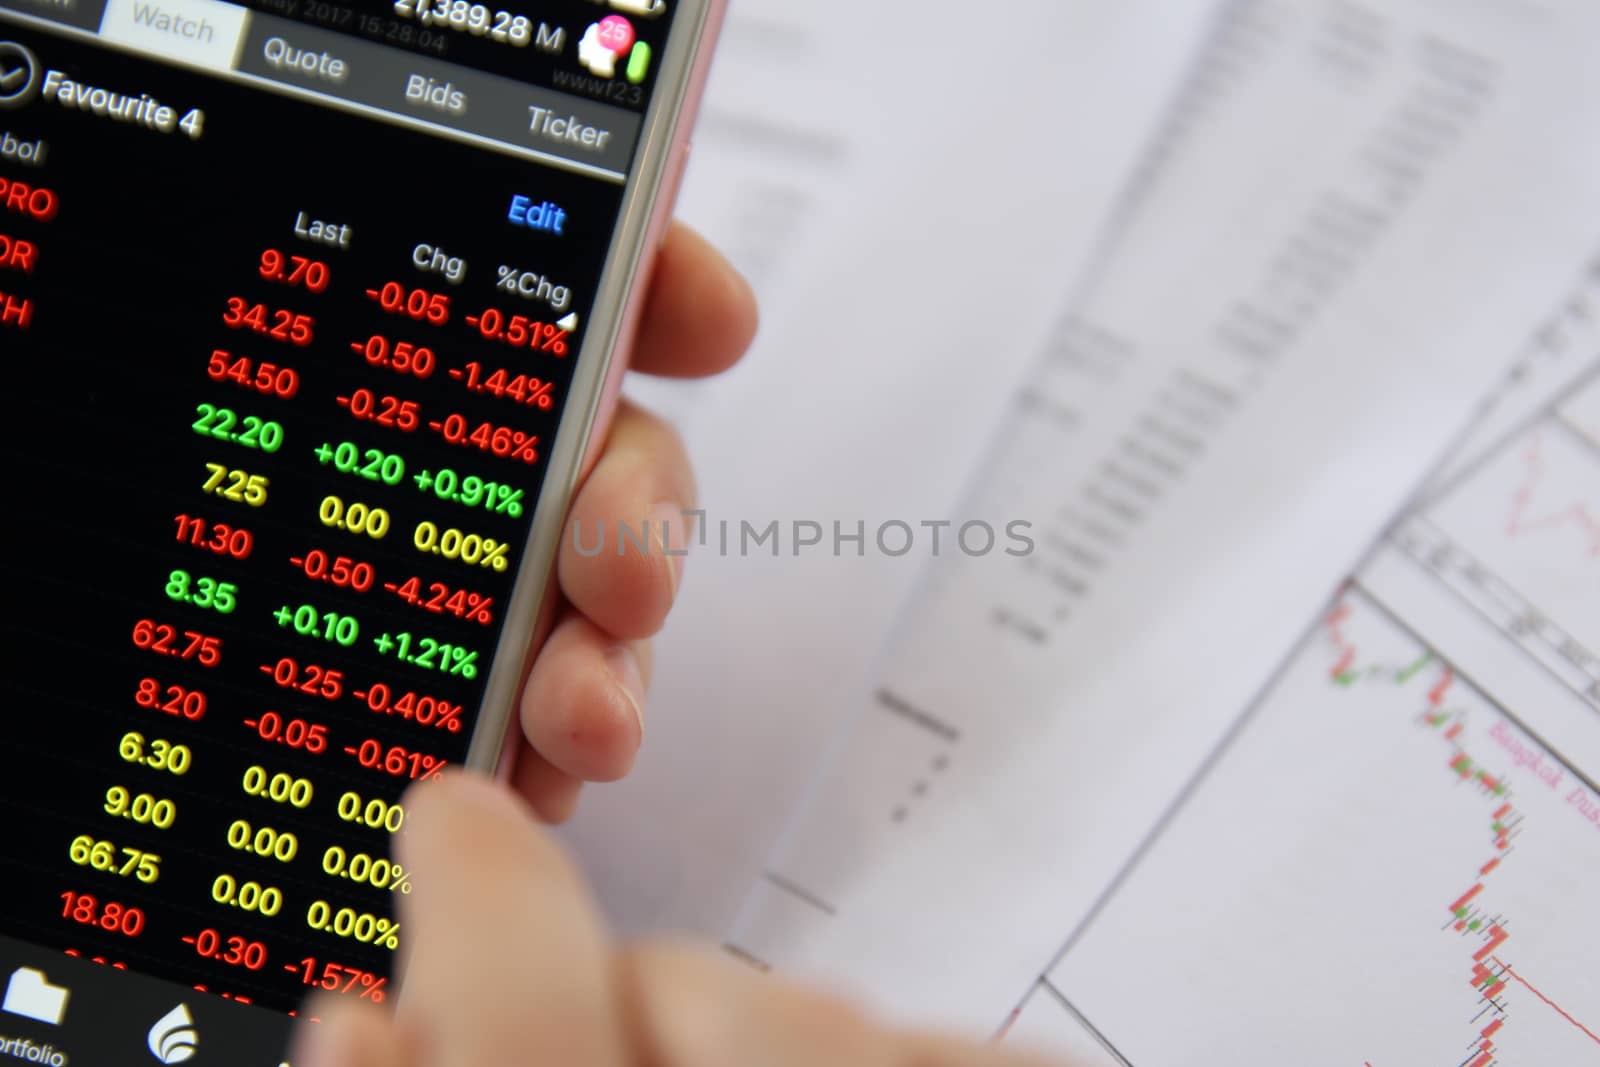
<point>509,965</point>
<point>583,706</point>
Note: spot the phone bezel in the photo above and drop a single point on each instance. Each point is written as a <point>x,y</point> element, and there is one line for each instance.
<point>648,199</point>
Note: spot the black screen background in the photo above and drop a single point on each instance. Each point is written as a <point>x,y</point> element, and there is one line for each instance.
<point>155,233</point>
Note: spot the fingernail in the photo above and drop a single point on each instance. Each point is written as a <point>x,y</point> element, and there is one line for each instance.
<point>624,667</point>
<point>670,528</point>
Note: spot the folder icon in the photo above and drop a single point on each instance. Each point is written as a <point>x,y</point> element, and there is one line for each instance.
<point>30,995</point>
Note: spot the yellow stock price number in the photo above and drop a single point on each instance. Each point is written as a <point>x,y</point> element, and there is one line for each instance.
<point>156,754</point>
<point>141,808</point>
<point>375,814</point>
<point>280,845</point>
<point>359,519</point>
<point>241,487</point>
<point>356,925</point>
<point>375,871</point>
<point>280,788</point>
<point>247,896</point>
<point>124,862</point>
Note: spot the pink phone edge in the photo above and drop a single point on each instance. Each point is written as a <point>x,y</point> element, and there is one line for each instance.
<point>655,235</point>
<point>666,203</point>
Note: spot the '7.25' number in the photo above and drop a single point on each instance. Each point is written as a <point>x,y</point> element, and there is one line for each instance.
<point>239,486</point>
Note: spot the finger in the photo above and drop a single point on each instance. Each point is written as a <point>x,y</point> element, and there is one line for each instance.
<point>506,958</point>
<point>583,705</point>
<point>700,315</point>
<point>622,556</point>
<point>684,1008</point>
<point>348,1035</point>
<point>681,1008</point>
<point>551,793</point>
<point>922,1050</point>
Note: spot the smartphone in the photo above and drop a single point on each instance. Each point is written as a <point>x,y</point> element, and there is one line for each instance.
<point>311,312</point>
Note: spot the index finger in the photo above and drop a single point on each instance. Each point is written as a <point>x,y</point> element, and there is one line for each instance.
<point>504,954</point>
<point>700,314</point>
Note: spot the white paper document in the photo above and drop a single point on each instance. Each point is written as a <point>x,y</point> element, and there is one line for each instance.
<point>1397,852</point>
<point>1358,216</point>
<point>912,199</point>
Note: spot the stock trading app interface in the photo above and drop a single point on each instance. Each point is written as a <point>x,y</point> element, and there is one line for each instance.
<point>282,385</point>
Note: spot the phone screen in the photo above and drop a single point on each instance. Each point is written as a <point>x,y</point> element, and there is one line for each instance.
<point>292,300</point>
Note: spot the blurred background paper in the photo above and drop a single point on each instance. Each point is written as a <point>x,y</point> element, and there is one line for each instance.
<point>1429,754</point>
<point>1203,291</point>
<point>1359,216</point>
<point>912,198</point>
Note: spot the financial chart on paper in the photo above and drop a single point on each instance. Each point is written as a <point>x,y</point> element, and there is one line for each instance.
<point>1419,885</point>
<point>1519,538</point>
<point>1258,381</point>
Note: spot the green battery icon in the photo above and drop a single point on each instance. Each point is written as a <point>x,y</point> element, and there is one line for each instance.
<point>639,63</point>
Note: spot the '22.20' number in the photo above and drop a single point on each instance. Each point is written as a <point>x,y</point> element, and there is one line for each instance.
<point>279,324</point>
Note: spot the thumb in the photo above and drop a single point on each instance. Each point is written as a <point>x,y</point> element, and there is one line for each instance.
<point>505,953</point>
